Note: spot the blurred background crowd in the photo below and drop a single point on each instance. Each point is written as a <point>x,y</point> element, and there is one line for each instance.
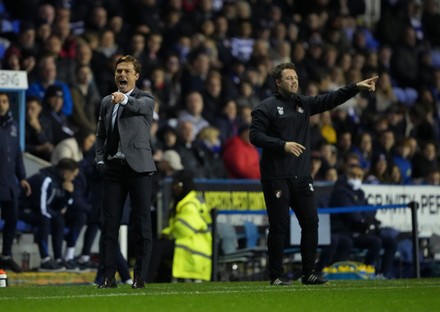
<point>209,62</point>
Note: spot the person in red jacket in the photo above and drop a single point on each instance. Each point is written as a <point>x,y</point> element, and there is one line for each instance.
<point>240,157</point>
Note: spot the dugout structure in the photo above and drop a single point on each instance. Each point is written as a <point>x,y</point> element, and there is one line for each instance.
<point>16,83</point>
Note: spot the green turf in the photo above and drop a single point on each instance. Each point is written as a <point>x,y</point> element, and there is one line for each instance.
<point>375,295</point>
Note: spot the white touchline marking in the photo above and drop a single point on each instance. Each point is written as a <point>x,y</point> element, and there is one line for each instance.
<point>266,289</point>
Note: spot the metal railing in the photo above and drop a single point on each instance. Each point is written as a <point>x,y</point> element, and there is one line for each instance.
<point>413,206</point>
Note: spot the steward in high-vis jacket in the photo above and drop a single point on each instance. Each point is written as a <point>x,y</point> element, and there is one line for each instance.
<point>190,226</point>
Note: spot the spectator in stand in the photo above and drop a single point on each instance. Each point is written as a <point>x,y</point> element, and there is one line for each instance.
<point>244,114</point>
<point>45,208</point>
<point>424,161</point>
<point>385,96</point>
<point>52,112</point>
<point>432,178</point>
<point>136,46</point>
<point>360,227</point>
<point>403,162</point>
<point>240,157</point>
<point>316,138</point>
<point>187,149</point>
<point>209,149</point>
<point>46,12</point>
<point>260,50</point>
<point>242,44</point>
<point>75,147</point>
<point>197,69</point>
<point>425,127</point>
<point>364,149</point>
<point>380,170</point>
<point>329,154</point>
<point>397,122</point>
<point>316,162</point>
<point>160,87</point>
<point>404,61</point>
<point>47,77</point>
<point>395,175</point>
<point>227,121</point>
<point>430,22</point>
<point>167,136</point>
<point>11,60</point>
<point>193,112</point>
<point>25,42</point>
<point>12,181</point>
<point>386,144</point>
<point>247,95</point>
<point>327,130</point>
<point>64,65</point>
<point>105,55</point>
<point>38,132</point>
<point>43,32</point>
<point>212,96</point>
<point>152,57</point>
<point>331,175</point>
<point>86,99</point>
<point>173,72</point>
<point>169,164</point>
<point>116,24</point>
<point>97,18</point>
<point>107,46</point>
<point>84,53</point>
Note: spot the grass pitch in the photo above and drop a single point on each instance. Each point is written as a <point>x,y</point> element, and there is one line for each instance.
<point>372,295</point>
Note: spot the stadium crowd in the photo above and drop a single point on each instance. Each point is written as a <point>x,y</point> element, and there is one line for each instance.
<point>208,63</point>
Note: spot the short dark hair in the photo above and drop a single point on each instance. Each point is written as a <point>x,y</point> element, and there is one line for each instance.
<point>279,70</point>
<point>130,59</point>
<point>33,98</point>
<point>67,164</point>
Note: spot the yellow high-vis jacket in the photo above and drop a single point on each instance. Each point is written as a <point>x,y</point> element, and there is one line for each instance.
<point>191,228</point>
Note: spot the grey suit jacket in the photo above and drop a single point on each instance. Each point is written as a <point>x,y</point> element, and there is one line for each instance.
<point>134,123</point>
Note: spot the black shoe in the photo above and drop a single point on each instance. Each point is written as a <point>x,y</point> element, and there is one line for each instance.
<point>313,279</point>
<point>71,266</point>
<point>280,281</point>
<point>108,282</point>
<point>8,263</point>
<point>51,266</point>
<point>138,283</point>
<point>87,266</point>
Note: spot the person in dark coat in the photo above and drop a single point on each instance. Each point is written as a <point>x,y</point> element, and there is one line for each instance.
<point>361,227</point>
<point>46,207</point>
<point>12,179</point>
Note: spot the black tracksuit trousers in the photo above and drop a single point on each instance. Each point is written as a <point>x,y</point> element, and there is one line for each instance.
<point>280,195</point>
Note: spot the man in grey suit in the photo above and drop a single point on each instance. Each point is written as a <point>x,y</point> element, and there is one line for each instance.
<point>124,160</point>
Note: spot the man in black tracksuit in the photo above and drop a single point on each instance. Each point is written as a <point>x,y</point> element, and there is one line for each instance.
<point>45,208</point>
<point>280,126</point>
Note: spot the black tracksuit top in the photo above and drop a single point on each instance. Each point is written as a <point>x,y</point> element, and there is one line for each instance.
<point>279,119</point>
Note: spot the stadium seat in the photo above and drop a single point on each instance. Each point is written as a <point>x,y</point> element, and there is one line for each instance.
<point>238,263</point>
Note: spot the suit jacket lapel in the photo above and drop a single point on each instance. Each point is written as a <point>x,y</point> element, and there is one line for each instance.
<point>109,120</point>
